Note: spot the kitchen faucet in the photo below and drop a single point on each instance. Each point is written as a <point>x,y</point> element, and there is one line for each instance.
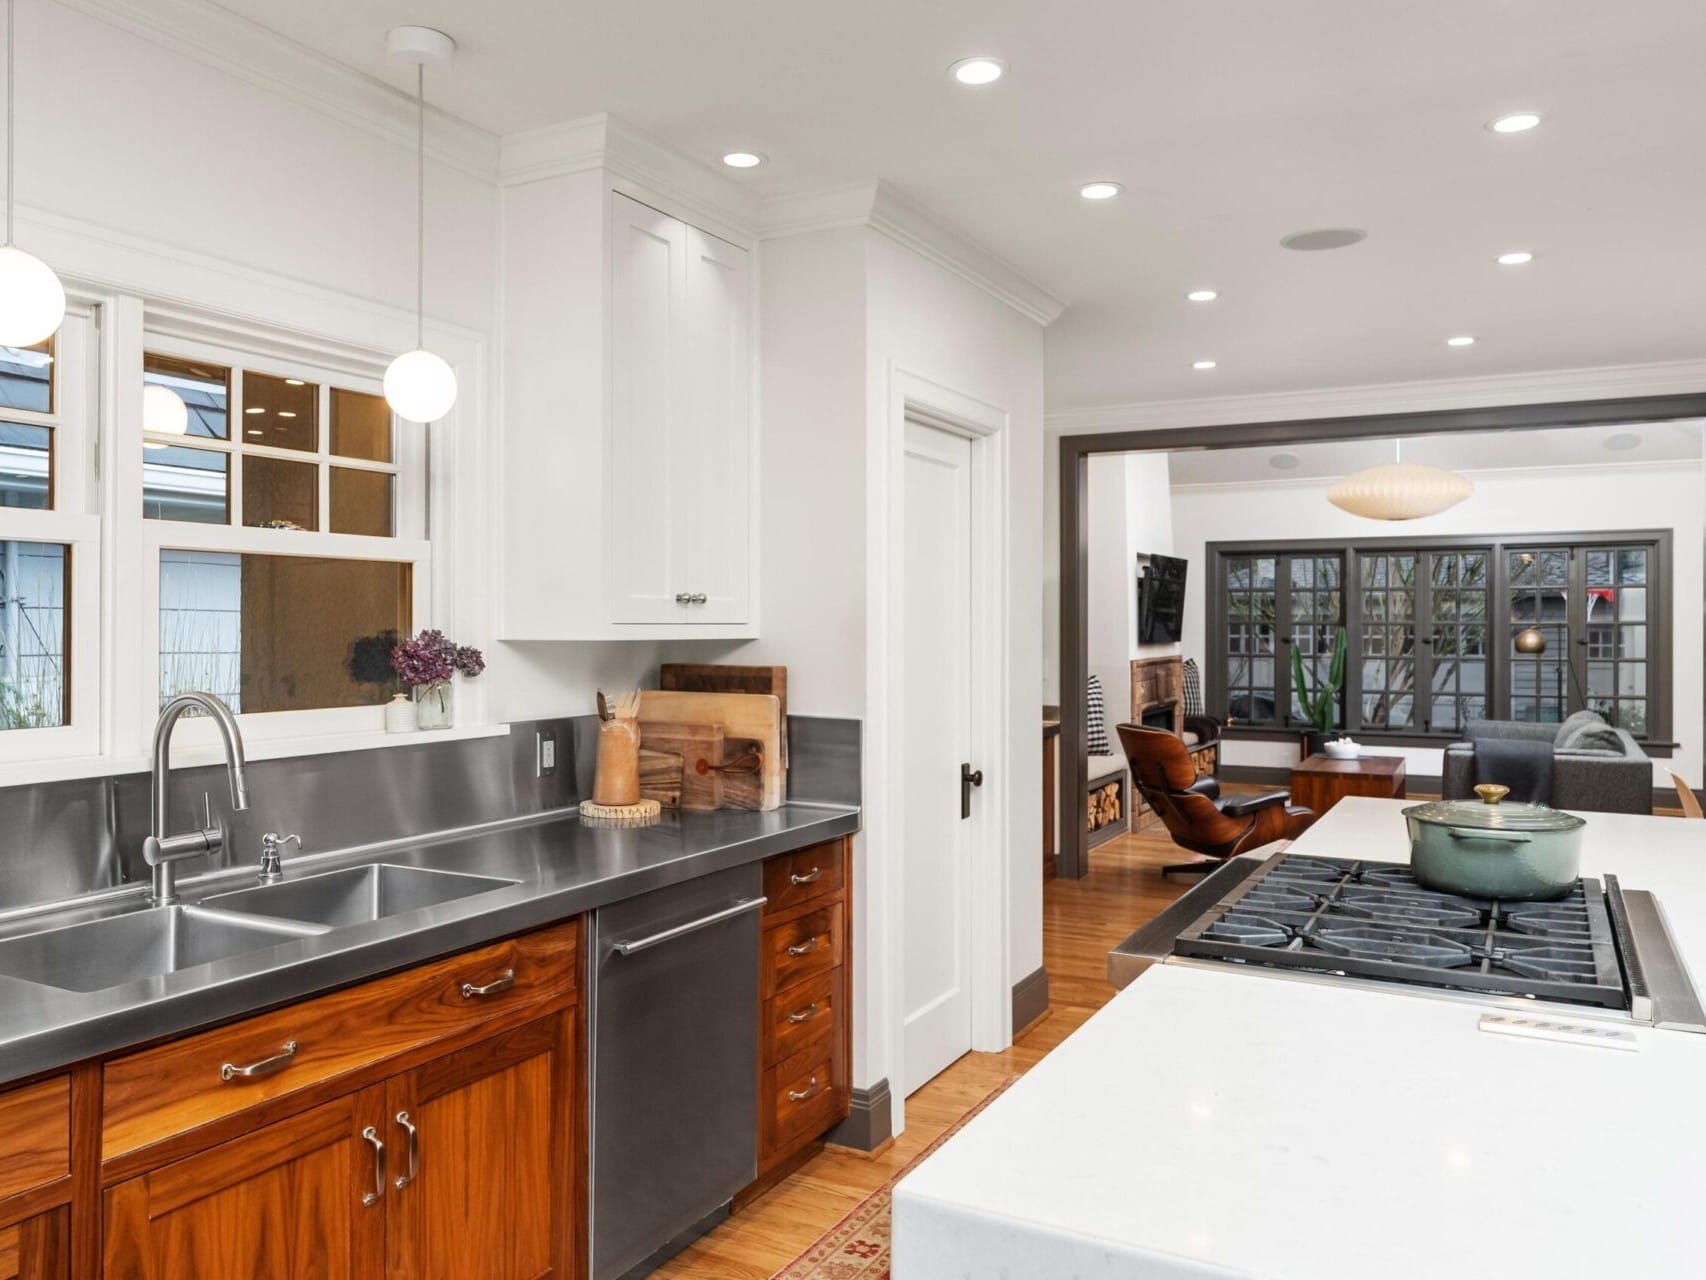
<point>161,850</point>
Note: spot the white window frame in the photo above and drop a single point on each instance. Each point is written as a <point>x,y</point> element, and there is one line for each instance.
<point>73,521</point>
<point>283,356</point>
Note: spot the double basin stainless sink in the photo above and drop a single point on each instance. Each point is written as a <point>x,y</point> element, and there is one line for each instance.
<point>157,941</point>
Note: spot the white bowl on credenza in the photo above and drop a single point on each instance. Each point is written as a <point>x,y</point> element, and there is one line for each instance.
<point>1341,749</point>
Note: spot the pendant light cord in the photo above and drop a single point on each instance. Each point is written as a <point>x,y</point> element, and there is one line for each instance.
<point>420,201</point>
<point>11,17</point>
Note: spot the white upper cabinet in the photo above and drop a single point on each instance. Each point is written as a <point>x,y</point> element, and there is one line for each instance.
<point>628,468</point>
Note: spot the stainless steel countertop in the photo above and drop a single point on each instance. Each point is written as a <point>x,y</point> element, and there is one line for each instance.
<point>564,868</point>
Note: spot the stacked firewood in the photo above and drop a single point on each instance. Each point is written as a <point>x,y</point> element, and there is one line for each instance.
<point>1104,806</point>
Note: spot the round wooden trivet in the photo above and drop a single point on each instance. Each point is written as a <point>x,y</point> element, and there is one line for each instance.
<point>622,815</point>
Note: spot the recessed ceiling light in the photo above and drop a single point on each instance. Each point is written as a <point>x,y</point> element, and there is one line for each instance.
<point>743,159</point>
<point>1461,340</point>
<point>1284,462</point>
<point>254,432</point>
<point>1202,295</point>
<point>978,70</point>
<point>1202,364</point>
<point>254,408</point>
<point>287,413</point>
<point>294,382</point>
<point>1324,238</point>
<point>1516,122</point>
<point>1622,441</point>
<point>1100,190</point>
<point>1515,259</point>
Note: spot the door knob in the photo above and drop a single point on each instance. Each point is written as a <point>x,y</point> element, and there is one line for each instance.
<point>969,778</point>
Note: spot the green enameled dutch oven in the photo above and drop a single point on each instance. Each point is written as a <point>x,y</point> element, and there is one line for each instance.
<point>1519,852</point>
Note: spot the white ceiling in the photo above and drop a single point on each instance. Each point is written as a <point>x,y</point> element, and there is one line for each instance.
<point>1659,443</point>
<point>1231,123</point>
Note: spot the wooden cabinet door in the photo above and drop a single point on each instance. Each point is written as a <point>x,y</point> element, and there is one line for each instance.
<point>37,1248</point>
<point>301,1199</point>
<point>488,1193</point>
<point>710,434</point>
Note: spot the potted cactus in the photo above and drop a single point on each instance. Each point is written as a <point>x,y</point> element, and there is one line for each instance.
<point>1319,697</point>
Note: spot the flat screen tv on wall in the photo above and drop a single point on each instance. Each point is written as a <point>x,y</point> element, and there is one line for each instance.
<point>1160,599</point>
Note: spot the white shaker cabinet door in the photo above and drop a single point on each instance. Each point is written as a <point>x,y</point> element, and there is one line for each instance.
<point>710,437</point>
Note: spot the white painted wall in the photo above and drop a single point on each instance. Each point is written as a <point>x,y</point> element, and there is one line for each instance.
<point>1546,500</point>
<point>1130,514</point>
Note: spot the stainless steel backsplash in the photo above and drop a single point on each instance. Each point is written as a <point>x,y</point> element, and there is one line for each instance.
<point>59,839</point>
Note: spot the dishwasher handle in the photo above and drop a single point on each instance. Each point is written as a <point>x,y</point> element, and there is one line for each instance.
<point>630,946</point>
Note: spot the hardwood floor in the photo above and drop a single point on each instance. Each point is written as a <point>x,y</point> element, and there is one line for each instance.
<point>1082,919</point>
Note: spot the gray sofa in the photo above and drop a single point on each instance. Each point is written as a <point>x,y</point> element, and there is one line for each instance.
<point>1585,775</point>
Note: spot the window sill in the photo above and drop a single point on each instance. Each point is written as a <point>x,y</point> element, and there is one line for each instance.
<point>191,755</point>
<point>1377,738</point>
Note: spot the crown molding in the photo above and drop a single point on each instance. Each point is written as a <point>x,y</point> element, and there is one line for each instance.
<point>259,56</point>
<point>605,142</point>
<point>880,206</point>
<point>1677,377</point>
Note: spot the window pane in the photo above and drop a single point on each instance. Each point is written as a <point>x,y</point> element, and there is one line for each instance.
<point>26,465</point>
<point>185,484</point>
<point>279,494</point>
<point>361,426</point>
<point>26,377</point>
<point>205,390</point>
<point>34,691</point>
<point>283,413</point>
<point>281,633</point>
<point>361,502</point>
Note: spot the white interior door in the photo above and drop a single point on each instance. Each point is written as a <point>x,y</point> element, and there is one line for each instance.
<point>937,672</point>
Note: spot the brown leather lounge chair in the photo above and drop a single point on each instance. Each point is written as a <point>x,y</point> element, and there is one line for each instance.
<point>1196,815</point>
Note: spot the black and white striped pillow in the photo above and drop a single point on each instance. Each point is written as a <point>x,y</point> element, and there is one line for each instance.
<point>1095,720</point>
<point>1193,689</point>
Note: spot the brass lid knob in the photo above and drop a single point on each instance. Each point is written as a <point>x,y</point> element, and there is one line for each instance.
<point>1491,792</point>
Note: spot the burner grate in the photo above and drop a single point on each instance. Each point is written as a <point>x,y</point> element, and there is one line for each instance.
<point>1375,920</point>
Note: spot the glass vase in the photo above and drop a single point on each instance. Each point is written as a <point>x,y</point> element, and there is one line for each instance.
<point>435,705</point>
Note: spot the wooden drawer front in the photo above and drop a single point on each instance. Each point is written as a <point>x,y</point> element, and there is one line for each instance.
<point>35,1135</point>
<point>803,1096</point>
<point>179,1086</point>
<point>796,878</point>
<point>801,1015</point>
<point>802,948</point>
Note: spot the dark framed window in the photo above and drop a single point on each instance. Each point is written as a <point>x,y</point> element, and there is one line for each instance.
<point>1433,627</point>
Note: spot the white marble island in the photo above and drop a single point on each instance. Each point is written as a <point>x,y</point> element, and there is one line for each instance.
<point>1223,1122</point>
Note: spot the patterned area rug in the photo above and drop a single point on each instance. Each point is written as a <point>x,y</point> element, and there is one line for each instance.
<point>857,1247</point>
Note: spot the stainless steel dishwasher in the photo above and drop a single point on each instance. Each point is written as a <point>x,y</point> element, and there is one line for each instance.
<point>674,1019</point>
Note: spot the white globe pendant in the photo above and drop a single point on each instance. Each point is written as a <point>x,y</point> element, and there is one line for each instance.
<point>420,386</point>
<point>32,301</point>
<point>164,411</point>
<point>1400,491</point>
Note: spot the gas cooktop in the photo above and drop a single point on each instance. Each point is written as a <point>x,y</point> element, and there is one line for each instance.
<point>1375,920</point>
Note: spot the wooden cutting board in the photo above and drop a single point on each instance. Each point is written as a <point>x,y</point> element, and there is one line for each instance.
<point>669,758</point>
<point>748,717</point>
<point>722,677</point>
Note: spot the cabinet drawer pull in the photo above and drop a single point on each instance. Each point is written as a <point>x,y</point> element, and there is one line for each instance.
<point>804,1015</point>
<point>265,1067</point>
<point>803,948</point>
<point>408,1127</point>
<point>810,1091</point>
<point>811,877</point>
<point>503,982</point>
<point>378,1192</point>
<point>691,597</point>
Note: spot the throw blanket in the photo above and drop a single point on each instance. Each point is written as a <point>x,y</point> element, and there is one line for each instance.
<point>1523,766</point>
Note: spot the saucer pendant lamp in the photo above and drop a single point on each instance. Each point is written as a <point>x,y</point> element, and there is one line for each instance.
<point>420,386</point>
<point>32,301</point>
<point>1400,490</point>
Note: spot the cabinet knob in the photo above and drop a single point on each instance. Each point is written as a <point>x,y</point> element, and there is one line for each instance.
<point>691,597</point>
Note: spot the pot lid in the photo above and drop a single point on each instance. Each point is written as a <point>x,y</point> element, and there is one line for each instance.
<point>1480,816</point>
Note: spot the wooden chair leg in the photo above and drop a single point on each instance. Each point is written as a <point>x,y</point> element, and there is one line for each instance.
<point>1201,866</point>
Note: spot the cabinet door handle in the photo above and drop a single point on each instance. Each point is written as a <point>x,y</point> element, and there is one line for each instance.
<point>811,877</point>
<point>803,948</point>
<point>378,1192</point>
<point>265,1067</point>
<point>682,597</point>
<point>804,1015</point>
<point>503,982</point>
<point>691,597</point>
<point>408,1126</point>
<point>810,1091</point>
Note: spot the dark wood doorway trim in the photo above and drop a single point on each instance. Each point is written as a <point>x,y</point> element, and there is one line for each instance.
<point>1075,454</point>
